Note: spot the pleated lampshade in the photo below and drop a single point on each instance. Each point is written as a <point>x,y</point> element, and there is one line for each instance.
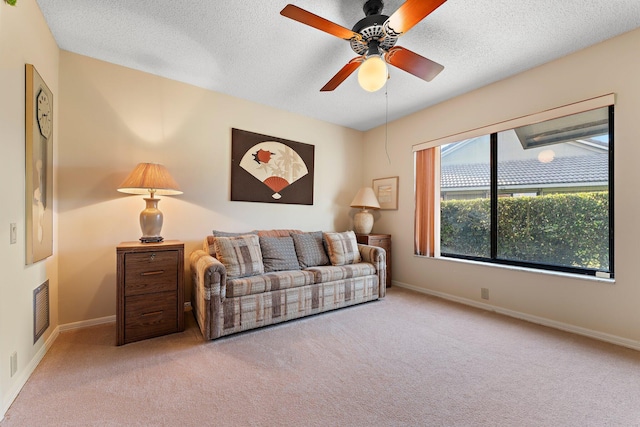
<point>150,178</point>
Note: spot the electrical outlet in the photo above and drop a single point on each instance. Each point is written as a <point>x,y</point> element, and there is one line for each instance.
<point>13,233</point>
<point>14,363</point>
<point>484,293</point>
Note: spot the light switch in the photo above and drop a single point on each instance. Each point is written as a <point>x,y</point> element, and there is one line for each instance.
<point>13,234</point>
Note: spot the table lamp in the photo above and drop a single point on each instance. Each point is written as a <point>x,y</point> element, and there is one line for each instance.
<point>152,178</point>
<point>363,220</point>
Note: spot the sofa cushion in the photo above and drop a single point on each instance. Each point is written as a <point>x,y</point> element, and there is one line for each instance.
<point>310,249</point>
<point>330,273</point>
<point>278,253</point>
<point>342,248</point>
<point>240,255</point>
<point>269,282</point>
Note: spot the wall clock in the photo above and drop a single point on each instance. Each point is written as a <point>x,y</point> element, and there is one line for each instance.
<point>44,114</point>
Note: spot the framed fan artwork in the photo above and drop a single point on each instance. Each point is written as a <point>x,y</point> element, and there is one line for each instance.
<point>268,169</point>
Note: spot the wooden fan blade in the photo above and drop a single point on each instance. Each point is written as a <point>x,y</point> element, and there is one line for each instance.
<point>343,74</point>
<point>413,63</point>
<point>315,21</point>
<point>409,14</point>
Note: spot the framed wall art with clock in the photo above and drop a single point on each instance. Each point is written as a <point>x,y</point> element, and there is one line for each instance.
<point>38,166</point>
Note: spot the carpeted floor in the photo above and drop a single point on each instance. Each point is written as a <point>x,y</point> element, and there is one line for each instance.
<point>407,360</point>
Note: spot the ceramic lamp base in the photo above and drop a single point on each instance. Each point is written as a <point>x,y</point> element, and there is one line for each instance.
<point>363,222</point>
<point>151,222</point>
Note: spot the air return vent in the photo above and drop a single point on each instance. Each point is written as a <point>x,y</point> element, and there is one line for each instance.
<point>40,310</point>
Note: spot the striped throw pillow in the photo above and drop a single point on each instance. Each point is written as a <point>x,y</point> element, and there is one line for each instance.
<point>342,248</point>
<point>240,255</point>
<point>211,240</point>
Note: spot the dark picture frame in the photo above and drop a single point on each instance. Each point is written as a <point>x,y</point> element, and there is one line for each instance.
<point>268,169</point>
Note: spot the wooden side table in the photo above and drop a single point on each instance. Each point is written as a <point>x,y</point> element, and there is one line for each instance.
<point>382,241</point>
<point>150,290</point>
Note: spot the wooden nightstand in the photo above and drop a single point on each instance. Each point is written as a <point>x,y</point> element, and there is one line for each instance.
<point>382,241</point>
<point>150,290</point>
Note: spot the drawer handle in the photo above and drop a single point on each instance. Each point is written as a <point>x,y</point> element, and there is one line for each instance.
<point>153,313</point>
<point>152,273</point>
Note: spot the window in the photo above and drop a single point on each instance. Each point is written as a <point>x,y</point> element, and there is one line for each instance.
<point>465,198</point>
<point>537,195</point>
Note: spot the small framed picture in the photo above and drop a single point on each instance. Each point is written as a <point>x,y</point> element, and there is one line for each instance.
<point>386,190</point>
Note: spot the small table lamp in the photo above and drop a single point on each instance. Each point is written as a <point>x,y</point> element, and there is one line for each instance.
<point>154,179</point>
<point>363,220</point>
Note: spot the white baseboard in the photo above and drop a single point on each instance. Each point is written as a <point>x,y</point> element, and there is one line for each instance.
<point>87,323</point>
<point>601,336</point>
<point>26,373</point>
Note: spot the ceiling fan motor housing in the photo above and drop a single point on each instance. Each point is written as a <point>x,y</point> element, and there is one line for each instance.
<point>372,28</point>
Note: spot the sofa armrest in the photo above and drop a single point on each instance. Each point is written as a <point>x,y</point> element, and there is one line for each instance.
<point>208,276</point>
<point>208,273</point>
<point>378,257</point>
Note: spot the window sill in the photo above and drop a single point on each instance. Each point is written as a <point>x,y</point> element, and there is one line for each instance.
<point>523,269</point>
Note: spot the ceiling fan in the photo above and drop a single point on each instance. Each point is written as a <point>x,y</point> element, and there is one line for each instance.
<point>373,38</point>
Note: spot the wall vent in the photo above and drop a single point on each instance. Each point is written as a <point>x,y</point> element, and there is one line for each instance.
<point>40,310</point>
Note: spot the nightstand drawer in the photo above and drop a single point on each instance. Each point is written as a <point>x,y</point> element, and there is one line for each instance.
<point>150,315</point>
<point>151,272</point>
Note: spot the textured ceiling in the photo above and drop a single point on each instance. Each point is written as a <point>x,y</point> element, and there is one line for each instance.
<point>248,50</point>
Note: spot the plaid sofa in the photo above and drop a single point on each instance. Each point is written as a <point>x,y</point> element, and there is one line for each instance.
<point>233,291</point>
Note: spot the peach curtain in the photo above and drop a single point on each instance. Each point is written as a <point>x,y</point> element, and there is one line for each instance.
<point>425,162</point>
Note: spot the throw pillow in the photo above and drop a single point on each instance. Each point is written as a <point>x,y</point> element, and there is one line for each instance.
<point>310,249</point>
<point>342,248</point>
<point>216,233</point>
<point>278,253</point>
<point>240,255</point>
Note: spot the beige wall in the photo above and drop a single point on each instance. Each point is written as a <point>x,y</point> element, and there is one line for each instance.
<point>24,38</point>
<point>603,309</point>
<point>113,117</point>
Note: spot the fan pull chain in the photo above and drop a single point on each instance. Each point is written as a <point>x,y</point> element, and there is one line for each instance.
<point>386,120</point>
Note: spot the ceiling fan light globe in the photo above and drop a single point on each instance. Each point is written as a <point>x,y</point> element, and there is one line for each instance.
<point>372,74</point>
